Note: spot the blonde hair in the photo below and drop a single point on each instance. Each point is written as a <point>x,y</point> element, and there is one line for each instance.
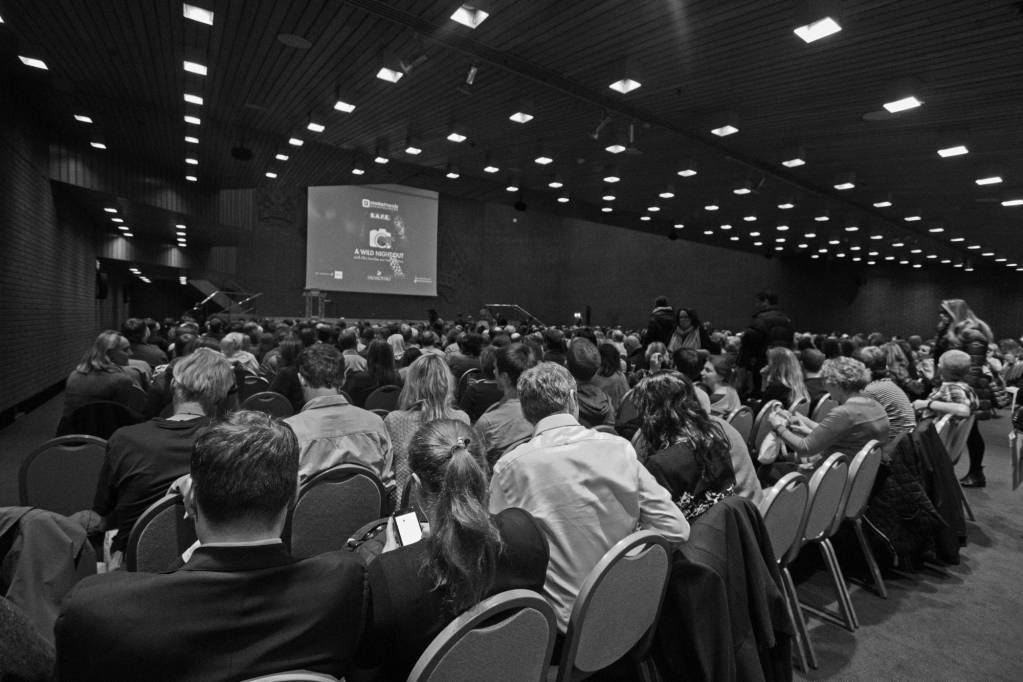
<point>97,358</point>
<point>203,376</point>
<point>430,387</point>
<point>783,368</point>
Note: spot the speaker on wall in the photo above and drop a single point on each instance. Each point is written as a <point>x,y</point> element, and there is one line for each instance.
<point>102,285</point>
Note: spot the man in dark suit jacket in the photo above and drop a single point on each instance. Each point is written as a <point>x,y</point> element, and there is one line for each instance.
<point>241,606</point>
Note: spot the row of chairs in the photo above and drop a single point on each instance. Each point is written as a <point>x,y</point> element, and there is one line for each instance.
<point>510,636</point>
<point>755,429</point>
<point>799,513</point>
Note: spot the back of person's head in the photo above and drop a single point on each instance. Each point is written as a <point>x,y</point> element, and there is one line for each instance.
<point>553,340</point>
<point>471,344</point>
<point>203,376</point>
<point>875,339</point>
<point>412,353</point>
<point>428,339</point>
<point>610,359</point>
<point>661,302</point>
<point>245,471</point>
<point>847,346</point>
<point>487,361</point>
<point>723,366</point>
<point>348,340</point>
<point>954,365</point>
<point>811,359</point>
<point>849,374</point>
<point>689,362</point>
<point>783,369</point>
<point>325,333</point>
<point>215,327</point>
<point>586,333</point>
<point>97,358</point>
<point>184,343</point>
<point>875,360</point>
<point>656,348</point>
<point>513,360</point>
<point>320,366</point>
<point>429,386</point>
<point>397,343</point>
<point>135,330</point>
<point>546,389</point>
<point>232,343</point>
<point>583,359</point>
<point>631,343</point>
<point>831,347</point>
<point>767,297</point>
<point>915,341</point>
<point>380,358</point>
<point>447,459</point>
<point>290,347</point>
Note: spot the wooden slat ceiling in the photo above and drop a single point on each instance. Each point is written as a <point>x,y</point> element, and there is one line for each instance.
<point>120,62</point>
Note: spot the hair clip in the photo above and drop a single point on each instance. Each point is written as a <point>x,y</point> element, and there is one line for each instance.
<point>460,443</point>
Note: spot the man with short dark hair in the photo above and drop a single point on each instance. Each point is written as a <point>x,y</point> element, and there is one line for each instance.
<point>241,606</point>
<point>137,333</point>
<point>503,426</point>
<point>583,362</point>
<point>468,354</point>
<point>348,342</point>
<point>330,430</point>
<point>661,325</point>
<point>586,489</point>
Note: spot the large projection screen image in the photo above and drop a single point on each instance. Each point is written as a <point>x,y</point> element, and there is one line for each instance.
<point>378,239</point>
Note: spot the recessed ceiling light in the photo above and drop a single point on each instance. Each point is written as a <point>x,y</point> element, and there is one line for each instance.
<point>203,16</point>
<point>543,160</point>
<point>956,240</point>
<point>898,245</point>
<point>625,85</point>
<point>316,127</point>
<point>82,118</point>
<point>872,253</point>
<point>358,170</point>
<point>611,178</point>
<point>271,175</point>
<point>127,234</point>
<point>195,67</point>
<point>563,199</point>
<point>181,233</point>
<point>844,185</point>
<point>679,226</point>
<point>936,230</point>
<point>911,218</point>
<point>822,250</point>
<point>555,184</point>
<point>191,178</point>
<point>490,168</point>
<point>110,210</point>
<point>751,218</point>
<point>786,205</point>
<point>815,256</point>
<point>973,247</point>
<point>780,240</point>
<point>725,130</point>
<point>644,218</point>
<point>455,136</point>
<point>97,145</point>
<point>782,228</point>
<point>917,265</point>
<point>989,180</point>
<point>33,62</point>
<point>615,148</point>
<point>512,188</point>
<point>988,254</point>
<point>1013,202</point>
<point>884,203</point>
<point>916,250</point>
<point>793,163</point>
<point>666,194</point>
<point>606,209</point>
<point>124,228</point>
<point>851,228</point>
<point>809,235</point>
<point>1001,260</point>
<point>193,120</point>
<point>413,150</point>
<point>726,226</point>
<point>889,258</point>
<point>902,104</point>
<point>470,16</point>
<point>117,220</point>
<point>390,75</point>
<point>192,162</point>
<point>822,218</point>
<point>687,172</point>
<point>754,234</point>
<point>957,150</point>
<point>653,209</point>
<point>296,142</point>
<point>707,232</point>
<point>711,207</point>
<point>877,236</point>
<point>452,174</point>
<point>343,106</point>
<point>193,99</point>
<point>521,117</point>
<point>822,28</point>
<point>282,157</point>
<point>741,190</point>
<point>190,139</point>
<point>380,159</point>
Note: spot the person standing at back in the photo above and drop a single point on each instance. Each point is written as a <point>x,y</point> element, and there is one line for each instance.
<point>661,326</point>
<point>769,328</point>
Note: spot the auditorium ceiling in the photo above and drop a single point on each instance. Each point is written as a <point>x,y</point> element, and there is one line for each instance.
<point>871,187</point>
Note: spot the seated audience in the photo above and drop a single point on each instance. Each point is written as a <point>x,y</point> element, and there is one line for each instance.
<point>812,360</point>
<point>348,342</point>
<point>503,425</point>
<point>783,377</point>
<point>856,420</point>
<point>479,395</point>
<point>412,353</point>
<point>901,417</point>
<point>610,378</point>
<point>240,607</point>
<point>397,343</point>
<point>101,374</point>
<point>330,430</point>
<point>380,371</point>
<point>583,362</point>
<point>465,556</point>
<point>554,346</point>
<point>137,333</point>
<point>143,460</point>
<point>468,354</point>
<point>587,489</point>
<point>428,394</point>
<point>715,375</point>
<point>285,380</point>
<point>233,348</point>
<point>690,452</point>
<point>956,397</point>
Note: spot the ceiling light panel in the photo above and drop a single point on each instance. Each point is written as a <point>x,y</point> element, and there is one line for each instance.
<point>203,16</point>
<point>470,16</point>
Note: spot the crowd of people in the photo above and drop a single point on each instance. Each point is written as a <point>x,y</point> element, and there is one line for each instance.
<point>529,451</point>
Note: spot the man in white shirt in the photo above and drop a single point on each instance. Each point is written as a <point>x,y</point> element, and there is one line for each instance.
<point>586,489</point>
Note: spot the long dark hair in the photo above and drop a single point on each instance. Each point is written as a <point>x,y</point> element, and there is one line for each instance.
<point>380,364</point>
<point>671,414</point>
<point>447,457</point>
<point>610,360</point>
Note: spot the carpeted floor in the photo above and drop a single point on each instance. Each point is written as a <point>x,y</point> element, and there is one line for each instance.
<point>965,625</point>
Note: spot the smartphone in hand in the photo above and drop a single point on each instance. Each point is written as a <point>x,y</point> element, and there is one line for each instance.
<point>407,528</point>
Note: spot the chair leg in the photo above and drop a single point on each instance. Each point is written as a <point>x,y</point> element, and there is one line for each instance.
<point>841,589</point>
<point>868,554</point>
<point>802,636</point>
<point>966,504</point>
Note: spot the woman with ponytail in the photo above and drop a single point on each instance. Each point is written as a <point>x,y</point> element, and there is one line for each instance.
<point>465,555</point>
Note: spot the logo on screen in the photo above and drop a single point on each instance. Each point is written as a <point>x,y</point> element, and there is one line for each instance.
<point>380,239</point>
<point>365,203</point>
<point>339,274</point>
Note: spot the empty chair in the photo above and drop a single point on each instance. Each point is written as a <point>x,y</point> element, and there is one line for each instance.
<point>824,405</point>
<point>99,418</point>
<point>784,509</point>
<point>294,676</point>
<point>159,536</point>
<point>617,607</point>
<point>800,406</point>
<point>761,426</point>
<point>251,384</point>
<point>61,475</point>
<point>862,473</point>
<point>383,398</point>
<point>954,439</point>
<point>742,420</point>
<point>269,402</point>
<point>468,377</point>
<point>136,400</point>
<point>331,506</point>
<point>508,637</point>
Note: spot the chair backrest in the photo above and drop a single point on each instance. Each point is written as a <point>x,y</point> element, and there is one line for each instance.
<point>380,413</point>
<point>800,406</point>
<point>827,492</point>
<point>136,399</point>
<point>269,402</point>
<point>954,438</point>
<point>824,405</point>
<point>605,428</point>
<point>508,637</point>
<point>784,508</point>
<point>862,473</point>
<point>468,376</point>
<point>383,398</point>
<point>294,676</point>
<point>762,425</point>
<point>61,474</point>
<point>331,506</point>
<point>159,536</point>
<point>742,420</point>
<point>99,418</point>
<point>251,385</point>
<point>618,604</point>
